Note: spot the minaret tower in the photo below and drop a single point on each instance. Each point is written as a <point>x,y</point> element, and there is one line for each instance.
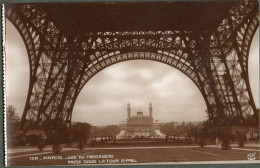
<point>151,110</point>
<point>128,110</point>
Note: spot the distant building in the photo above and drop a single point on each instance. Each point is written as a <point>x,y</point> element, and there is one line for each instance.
<point>156,125</point>
<point>122,125</point>
<point>139,124</point>
<point>251,132</point>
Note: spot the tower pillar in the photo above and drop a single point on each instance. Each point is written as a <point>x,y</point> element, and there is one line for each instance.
<point>151,110</point>
<point>128,110</point>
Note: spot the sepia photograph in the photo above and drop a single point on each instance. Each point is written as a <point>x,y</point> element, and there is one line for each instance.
<point>131,83</point>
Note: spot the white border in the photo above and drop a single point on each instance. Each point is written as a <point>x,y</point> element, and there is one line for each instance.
<point>4,83</point>
<point>152,163</point>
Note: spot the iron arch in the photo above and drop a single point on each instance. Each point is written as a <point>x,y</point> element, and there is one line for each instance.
<point>59,64</point>
<point>32,44</point>
<point>123,57</point>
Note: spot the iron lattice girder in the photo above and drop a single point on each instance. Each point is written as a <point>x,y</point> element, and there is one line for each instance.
<point>39,17</point>
<point>61,62</point>
<point>135,16</point>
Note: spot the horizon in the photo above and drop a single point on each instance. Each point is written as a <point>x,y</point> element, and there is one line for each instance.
<point>185,122</point>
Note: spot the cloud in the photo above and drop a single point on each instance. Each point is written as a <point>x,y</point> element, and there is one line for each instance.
<point>253,64</point>
<point>17,69</point>
<point>170,91</point>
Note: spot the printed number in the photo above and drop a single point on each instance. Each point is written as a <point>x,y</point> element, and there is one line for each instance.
<point>34,158</point>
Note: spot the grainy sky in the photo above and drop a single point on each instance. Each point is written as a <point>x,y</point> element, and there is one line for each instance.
<point>104,98</point>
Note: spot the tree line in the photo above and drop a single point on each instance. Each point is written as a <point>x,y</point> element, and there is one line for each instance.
<point>185,130</point>
<point>79,131</point>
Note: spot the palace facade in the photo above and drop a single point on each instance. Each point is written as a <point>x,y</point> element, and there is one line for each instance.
<point>139,125</point>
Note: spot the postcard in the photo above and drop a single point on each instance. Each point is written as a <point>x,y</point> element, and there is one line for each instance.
<point>131,83</point>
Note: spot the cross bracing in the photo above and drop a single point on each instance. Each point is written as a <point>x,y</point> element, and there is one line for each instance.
<point>214,55</point>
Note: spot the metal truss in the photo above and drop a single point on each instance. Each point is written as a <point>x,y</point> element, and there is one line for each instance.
<point>61,64</point>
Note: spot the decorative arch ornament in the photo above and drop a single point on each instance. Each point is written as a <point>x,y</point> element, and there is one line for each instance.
<point>61,63</point>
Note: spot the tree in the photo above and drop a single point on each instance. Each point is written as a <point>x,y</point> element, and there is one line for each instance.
<point>183,129</point>
<point>211,129</point>
<point>107,131</point>
<point>12,123</point>
<point>95,132</point>
<point>251,120</point>
<point>241,138</point>
<point>167,129</point>
<point>225,134</point>
<point>180,130</point>
<point>111,130</point>
<point>81,131</point>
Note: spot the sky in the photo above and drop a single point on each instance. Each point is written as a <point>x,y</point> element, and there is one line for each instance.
<point>103,100</point>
